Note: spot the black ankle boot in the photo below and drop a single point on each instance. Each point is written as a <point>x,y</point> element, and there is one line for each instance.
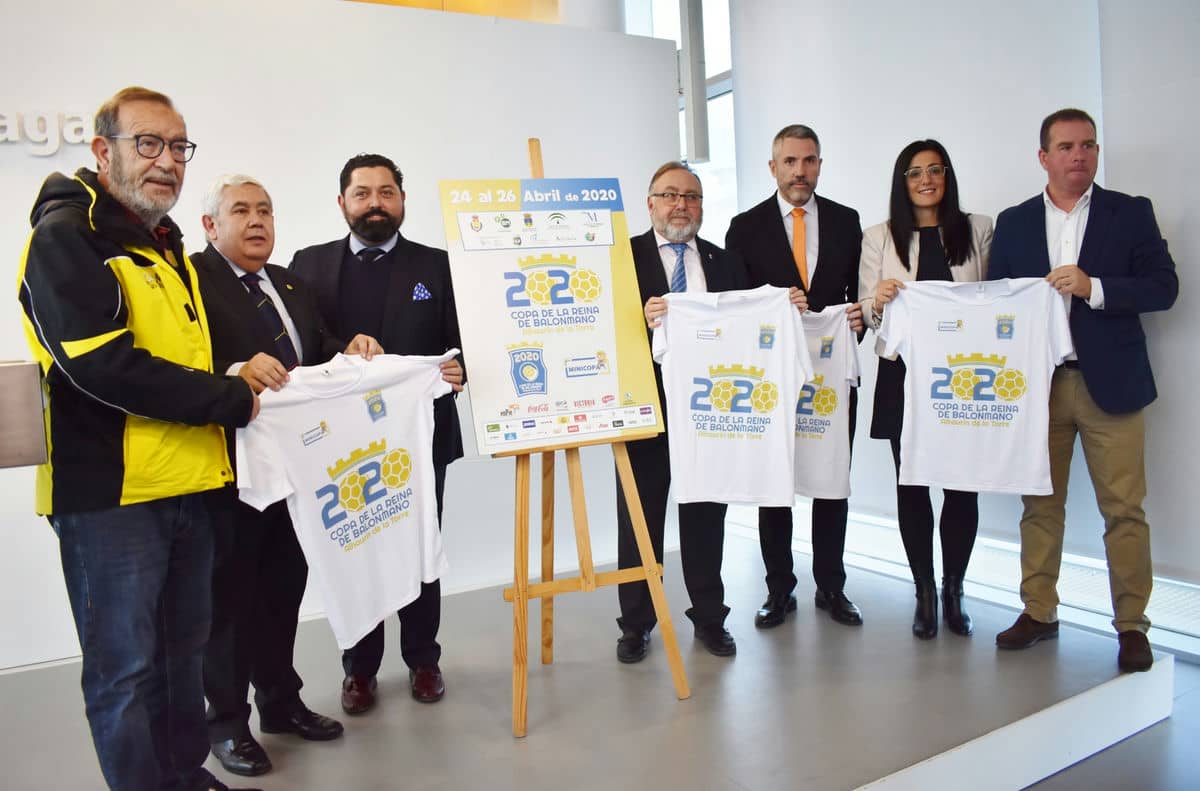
<point>925,617</point>
<point>952,602</point>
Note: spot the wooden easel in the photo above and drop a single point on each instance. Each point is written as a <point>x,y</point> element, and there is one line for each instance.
<point>588,580</point>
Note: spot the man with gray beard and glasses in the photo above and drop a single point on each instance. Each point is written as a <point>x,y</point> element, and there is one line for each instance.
<point>671,258</point>
<point>114,315</point>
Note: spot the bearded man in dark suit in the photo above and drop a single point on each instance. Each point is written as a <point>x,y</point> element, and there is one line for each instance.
<point>376,282</point>
<point>671,257</point>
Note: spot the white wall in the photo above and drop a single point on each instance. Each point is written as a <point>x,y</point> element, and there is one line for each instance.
<point>287,91</point>
<point>1151,77</point>
<point>873,75</point>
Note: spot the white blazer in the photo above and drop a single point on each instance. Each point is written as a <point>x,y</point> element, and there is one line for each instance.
<point>879,261</point>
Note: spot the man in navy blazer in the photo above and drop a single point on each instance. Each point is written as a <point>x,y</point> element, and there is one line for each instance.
<point>1103,252</point>
<point>797,229</point>
<point>379,283</point>
<point>675,214</point>
<point>259,571</point>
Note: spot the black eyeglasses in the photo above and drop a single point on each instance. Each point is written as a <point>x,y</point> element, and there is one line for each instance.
<point>151,146</point>
<point>692,198</point>
<point>934,171</point>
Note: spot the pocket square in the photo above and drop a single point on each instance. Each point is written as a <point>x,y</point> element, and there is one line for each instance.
<point>420,292</point>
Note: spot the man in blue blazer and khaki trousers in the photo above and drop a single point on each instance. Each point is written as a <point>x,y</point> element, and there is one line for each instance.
<point>1103,252</point>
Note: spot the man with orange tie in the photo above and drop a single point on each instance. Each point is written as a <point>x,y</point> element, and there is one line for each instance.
<point>800,240</point>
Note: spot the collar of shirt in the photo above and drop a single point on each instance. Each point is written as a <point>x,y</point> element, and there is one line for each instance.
<point>1084,202</point>
<point>785,209</point>
<point>663,241</point>
<point>357,244</point>
<point>238,272</point>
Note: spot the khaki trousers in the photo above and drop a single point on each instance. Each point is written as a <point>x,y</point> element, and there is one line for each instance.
<point>1114,447</point>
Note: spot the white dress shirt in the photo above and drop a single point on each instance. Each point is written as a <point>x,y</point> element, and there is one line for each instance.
<point>1064,239</point>
<point>691,263</point>
<point>811,233</point>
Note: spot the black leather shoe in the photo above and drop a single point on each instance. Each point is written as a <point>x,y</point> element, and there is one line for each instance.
<point>774,611</point>
<point>303,722</point>
<point>716,640</point>
<point>242,756</point>
<point>839,607</point>
<point>925,617</point>
<point>633,645</point>
<point>952,607</point>
<point>1025,632</point>
<point>1135,655</point>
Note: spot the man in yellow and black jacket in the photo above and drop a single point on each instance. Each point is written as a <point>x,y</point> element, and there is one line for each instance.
<point>136,422</point>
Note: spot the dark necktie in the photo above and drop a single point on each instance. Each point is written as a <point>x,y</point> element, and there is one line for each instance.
<point>286,350</point>
<point>369,254</point>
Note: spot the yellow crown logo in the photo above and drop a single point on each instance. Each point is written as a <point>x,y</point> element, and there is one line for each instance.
<point>991,360</point>
<point>818,380</point>
<point>735,370</point>
<point>512,346</point>
<point>546,259</point>
<point>1006,316</point>
<point>374,449</point>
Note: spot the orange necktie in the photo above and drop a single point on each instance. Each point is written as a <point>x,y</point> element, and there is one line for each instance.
<point>798,251</point>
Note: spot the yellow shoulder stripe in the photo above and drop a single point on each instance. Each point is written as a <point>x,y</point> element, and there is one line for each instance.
<point>83,346</point>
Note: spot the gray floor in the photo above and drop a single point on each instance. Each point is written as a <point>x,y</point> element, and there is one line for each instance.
<point>808,705</point>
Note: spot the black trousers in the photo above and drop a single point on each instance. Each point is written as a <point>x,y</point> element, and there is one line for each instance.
<point>259,575</point>
<point>957,526</point>
<point>419,620</point>
<point>828,538</point>
<point>701,541</point>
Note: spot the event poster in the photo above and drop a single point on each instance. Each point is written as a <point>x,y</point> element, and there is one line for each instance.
<point>550,314</point>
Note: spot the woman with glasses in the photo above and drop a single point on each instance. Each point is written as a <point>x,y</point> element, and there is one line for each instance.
<point>927,237</point>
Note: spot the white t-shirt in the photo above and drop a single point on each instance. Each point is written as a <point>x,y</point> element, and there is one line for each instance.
<point>976,395</point>
<point>733,363</point>
<point>350,445</point>
<point>823,411</point>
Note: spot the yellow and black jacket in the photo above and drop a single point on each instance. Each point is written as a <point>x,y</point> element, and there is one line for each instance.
<point>133,410</point>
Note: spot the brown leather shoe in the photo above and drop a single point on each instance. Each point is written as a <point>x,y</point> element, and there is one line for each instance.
<point>427,683</point>
<point>358,694</point>
<point>1025,632</point>
<point>1135,654</point>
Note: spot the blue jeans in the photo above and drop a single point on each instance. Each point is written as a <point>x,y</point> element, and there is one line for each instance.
<point>139,579</point>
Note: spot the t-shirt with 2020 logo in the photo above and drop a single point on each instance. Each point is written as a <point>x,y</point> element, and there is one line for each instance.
<point>976,393</point>
<point>350,445</point>
<point>733,364</point>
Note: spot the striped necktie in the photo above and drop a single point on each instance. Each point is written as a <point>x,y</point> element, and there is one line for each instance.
<point>286,350</point>
<point>679,273</point>
<point>369,254</point>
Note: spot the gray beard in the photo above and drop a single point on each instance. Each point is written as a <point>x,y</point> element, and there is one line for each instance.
<point>130,197</point>
<point>673,233</point>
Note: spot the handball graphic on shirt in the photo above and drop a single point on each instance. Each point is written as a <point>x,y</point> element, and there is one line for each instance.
<point>976,396</point>
<point>733,363</point>
<point>823,409</point>
<point>349,444</point>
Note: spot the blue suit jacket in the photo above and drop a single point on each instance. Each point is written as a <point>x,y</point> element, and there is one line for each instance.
<point>1124,249</point>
